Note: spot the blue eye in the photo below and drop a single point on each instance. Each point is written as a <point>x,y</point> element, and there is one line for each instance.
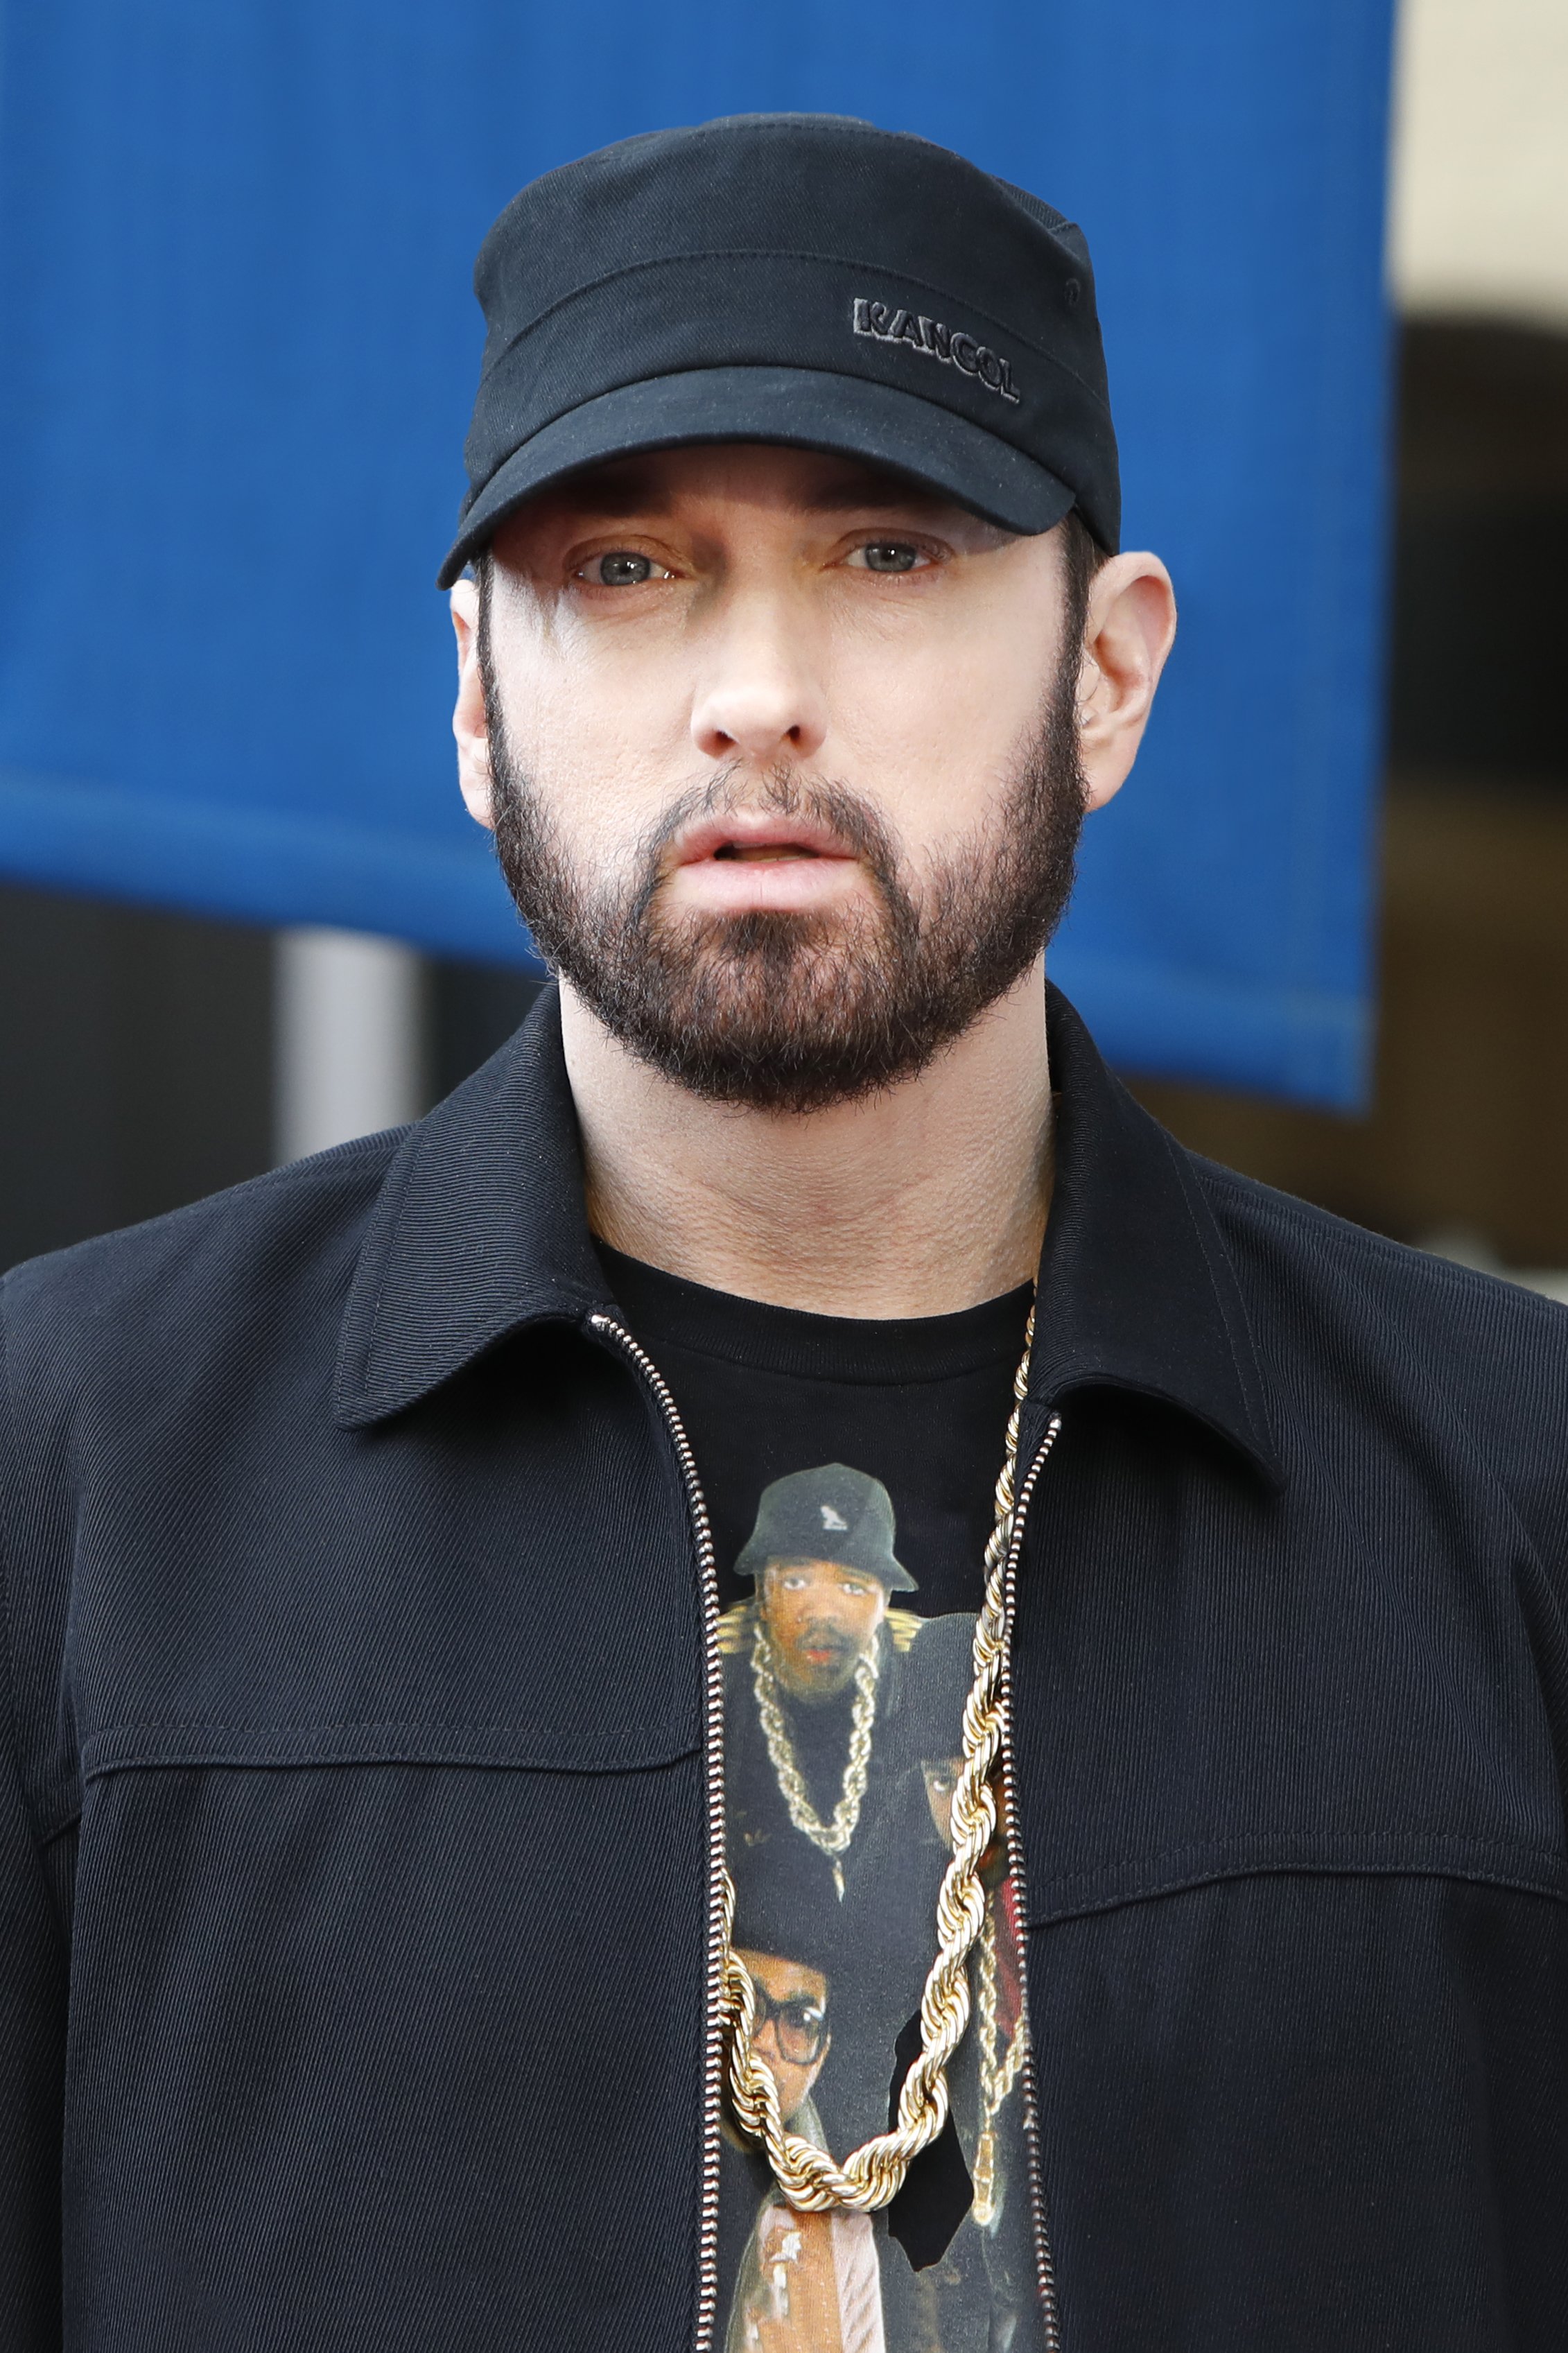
<point>890,555</point>
<point>623,570</point>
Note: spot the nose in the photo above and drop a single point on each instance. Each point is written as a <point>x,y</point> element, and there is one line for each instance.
<point>760,699</point>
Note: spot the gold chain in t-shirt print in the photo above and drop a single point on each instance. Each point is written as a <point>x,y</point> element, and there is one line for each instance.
<point>1000,2060</point>
<point>830,1838</point>
<point>873,2174</point>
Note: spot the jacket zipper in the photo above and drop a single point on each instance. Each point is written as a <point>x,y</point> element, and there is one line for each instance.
<point>1044,2266</point>
<point>713,1770</point>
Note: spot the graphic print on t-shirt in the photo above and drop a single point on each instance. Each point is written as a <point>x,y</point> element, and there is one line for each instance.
<point>843,1738</point>
<point>847,1467</point>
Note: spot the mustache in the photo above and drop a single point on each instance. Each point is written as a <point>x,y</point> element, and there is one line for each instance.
<point>853,822</point>
<point>824,1635</point>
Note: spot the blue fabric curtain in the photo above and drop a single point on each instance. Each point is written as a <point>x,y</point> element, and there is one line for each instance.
<point>238,348</point>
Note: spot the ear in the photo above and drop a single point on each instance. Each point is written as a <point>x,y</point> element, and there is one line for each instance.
<point>469,725</point>
<point>1128,632</point>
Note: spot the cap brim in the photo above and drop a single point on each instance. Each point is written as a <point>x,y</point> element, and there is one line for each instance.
<point>799,408</point>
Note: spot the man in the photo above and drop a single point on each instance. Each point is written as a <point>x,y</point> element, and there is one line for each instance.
<point>814,1722</point>
<point>805,2283</point>
<point>363,1894</point>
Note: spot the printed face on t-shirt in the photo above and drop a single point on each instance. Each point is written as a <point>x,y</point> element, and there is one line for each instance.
<point>792,2037</point>
<point>941,1777</point>
<point>822,1619</point>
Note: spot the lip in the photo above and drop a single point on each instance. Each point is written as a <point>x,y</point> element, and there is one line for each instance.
<point>746,829</point>
<point>720,865</point>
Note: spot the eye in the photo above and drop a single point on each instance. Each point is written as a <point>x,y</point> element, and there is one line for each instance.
<point>887,556</point>
<point>623,567</point>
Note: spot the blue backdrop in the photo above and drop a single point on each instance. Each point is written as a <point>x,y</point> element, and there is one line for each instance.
<point>238,348</point>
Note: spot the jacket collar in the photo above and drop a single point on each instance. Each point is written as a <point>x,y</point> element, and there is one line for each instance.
<point>1136,1286</point>
<point>478,1231</point>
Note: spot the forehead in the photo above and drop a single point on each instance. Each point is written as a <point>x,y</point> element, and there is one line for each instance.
<point>782,1978</point>
<point>752,474</point>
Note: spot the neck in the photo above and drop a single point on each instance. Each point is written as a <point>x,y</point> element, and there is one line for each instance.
<point>921,1201</point>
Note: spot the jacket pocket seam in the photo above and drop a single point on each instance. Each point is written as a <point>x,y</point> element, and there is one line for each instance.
<point>162,1747</point>
<point>1539,1870</point>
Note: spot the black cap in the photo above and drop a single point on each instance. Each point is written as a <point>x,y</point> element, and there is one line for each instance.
<point>831,1512</point>
<point>800,278</point>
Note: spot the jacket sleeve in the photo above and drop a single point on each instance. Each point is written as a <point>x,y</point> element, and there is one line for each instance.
<point>32,1976</point>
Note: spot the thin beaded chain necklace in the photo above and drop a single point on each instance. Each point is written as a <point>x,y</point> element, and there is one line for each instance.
<point>874,2173</point>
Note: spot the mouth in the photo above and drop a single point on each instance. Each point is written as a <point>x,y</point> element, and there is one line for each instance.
<point>764,853</point>
<point>827,1650</point>
<point>744,863</point>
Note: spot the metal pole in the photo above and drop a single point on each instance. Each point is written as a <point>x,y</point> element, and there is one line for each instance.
<point>349,1053</point>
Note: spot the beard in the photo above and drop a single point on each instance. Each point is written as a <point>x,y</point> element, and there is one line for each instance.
<point>805,1679</point>
<point>788,1011</point>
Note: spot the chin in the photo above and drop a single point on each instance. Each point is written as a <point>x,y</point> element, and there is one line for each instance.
<point>823,1687</point>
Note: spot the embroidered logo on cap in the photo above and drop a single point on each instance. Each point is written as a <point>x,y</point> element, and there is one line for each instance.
<point>935,342</point>
<point>835,1520</point>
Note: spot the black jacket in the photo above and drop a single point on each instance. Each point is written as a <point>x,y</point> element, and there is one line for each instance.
<point>355,1901</point>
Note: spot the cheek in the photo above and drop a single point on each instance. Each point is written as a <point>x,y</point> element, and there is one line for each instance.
<point>603,788</point>
<point>933,732</point>
<point>791,2082</point>
<point>607,751</point>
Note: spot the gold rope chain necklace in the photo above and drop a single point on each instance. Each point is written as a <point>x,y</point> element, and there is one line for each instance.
<point>874,2173</point>
<point>830,1838</point>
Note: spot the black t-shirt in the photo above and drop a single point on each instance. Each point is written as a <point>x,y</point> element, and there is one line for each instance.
<point>849,1468</point>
